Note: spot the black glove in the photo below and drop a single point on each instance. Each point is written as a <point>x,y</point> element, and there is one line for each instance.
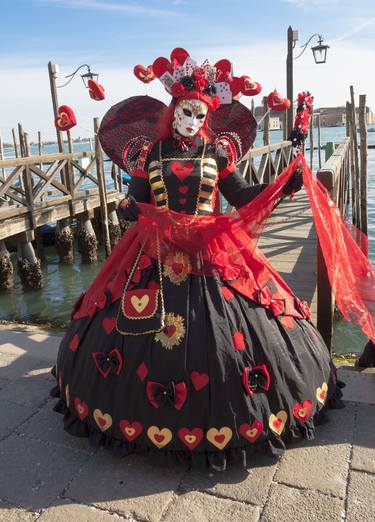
<point>294,184</point>
<point>128,209</point>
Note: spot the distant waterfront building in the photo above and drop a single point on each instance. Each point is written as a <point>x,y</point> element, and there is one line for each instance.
<point>336,116</point>
<point>276,118</point>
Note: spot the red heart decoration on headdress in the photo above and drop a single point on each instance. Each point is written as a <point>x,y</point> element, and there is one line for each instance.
<point>178,56</point>
<point>235,85</point>
<point>145,74</point>
<point>160,66</point>
<point>224,69</point>
<point>96,91</point>
<point>65,118</point>
<point>250,88</point>
<point>277,103</point>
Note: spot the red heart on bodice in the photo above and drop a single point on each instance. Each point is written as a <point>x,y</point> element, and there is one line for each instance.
<point>177,268</point>
<point>170,330</point>
<point>182,169</point>
<point>183,189</point>
<point>65,118</point>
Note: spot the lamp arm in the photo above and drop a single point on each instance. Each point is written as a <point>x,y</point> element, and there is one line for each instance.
<point>306,44</point>
<point>71,76</point>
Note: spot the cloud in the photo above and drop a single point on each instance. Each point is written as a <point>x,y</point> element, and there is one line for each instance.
<point>306,4</point>
<point>355,30</point>
<point>135,9</point>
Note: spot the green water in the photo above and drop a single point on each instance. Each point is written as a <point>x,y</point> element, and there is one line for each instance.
<point>64,282</point>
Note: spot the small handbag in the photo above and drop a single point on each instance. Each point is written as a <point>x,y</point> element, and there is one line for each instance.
<point>141,310</point>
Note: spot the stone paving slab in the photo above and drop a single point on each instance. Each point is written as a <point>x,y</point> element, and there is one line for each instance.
<point>29,391</point>
<point>287,504</point>
<point>361,504</point>
<point>15,365</point>
<point>67,510</point>
<point>321,464</point>
<point>35,344</point>
<point>11,416</point>
<point>198,507</point>
<point>130,486</point>
<point>47,426</point>
<point>239,484</point>
<point>360,385</point>
<point>9,513</point>
<point>32,473</point>
<point>364,439</point>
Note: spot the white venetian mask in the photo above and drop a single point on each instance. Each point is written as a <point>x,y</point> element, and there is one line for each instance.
<point>189,116</point>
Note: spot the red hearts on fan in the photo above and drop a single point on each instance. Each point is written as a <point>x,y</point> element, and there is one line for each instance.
<point>223,69</point>
<point>96,91</point>
<point>277,103</point>
<point>65,118</point>
<point>161,65</point>
<point>145,74</point>
<point>250,88</point>
<point>235,85</point>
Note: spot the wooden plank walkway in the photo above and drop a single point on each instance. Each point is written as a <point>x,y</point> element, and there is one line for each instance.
<point>289,242</point>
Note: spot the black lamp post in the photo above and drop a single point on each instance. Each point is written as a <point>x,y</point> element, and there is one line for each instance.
<point>85,77</point>
<point>320,56</point>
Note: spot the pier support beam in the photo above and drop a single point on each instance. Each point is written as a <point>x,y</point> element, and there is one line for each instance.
<point>6,268</point>
<point>28,264</point>
<point>64,240</point>
<point>87,243</point>
<point>114,227</point>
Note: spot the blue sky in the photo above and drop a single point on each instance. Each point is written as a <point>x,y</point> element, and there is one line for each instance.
<point>115,35</point>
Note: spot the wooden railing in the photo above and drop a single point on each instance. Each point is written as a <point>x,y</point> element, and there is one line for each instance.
<point>272,159</point>
<point>335,175</point>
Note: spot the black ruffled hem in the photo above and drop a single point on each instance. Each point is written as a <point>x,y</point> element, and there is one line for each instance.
<point>218,460</point>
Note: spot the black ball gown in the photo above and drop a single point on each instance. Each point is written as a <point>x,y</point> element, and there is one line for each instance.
<point>190,366</point>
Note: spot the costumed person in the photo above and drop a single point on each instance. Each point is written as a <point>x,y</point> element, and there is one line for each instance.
<point>189,346</point>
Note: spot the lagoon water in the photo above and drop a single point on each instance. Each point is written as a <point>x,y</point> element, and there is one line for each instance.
<point>63,283</point>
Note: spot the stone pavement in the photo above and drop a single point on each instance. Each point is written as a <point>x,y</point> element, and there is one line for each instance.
<point>48,476</point>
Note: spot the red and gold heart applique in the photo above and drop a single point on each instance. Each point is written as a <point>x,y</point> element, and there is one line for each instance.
<point>321,393</point>
<point>103,420</point>
<point>109,324</point>
<point>96,91</point>
<point>277,103</point>
<point>145,74</point>
<point>160,437</point>
<point>251,432</point>
<point>277,422</point>
<point>181,169</point>
<point>74,343</point>
<point>302,411</point>
<point>177,267</point>
<point>65,118</point>
<point>130,430</point>
<point>191,438</point>
<point>250,88</point>
<point>173,332</point>
<point>219,438</point>
<point>199,380</point>
<point>81,408</point>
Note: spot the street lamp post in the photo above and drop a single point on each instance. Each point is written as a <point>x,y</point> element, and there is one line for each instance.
<point>320,56</point>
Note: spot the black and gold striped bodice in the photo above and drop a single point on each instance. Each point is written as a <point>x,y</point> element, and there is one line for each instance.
<point>183,181</point>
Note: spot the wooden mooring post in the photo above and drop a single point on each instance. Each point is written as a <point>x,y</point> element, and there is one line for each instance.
<point>102,191</point>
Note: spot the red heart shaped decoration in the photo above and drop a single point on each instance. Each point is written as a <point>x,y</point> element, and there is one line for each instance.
<point>130,430</point>
<point>109,324</point>
<point>302,411</point>
<point>145,74</point>
<point>96,91</point>
<point>160,66</point>
<point>170,330</point>
<point>182,201</point>
<point>251,432</point>
<point>276,103</point>
<point>224,68</point>
<point>199,380</point>
<point>235,85</point>
<point>183,189</point>
<point>81,407</point>
<point>177,268</point>
<point>250,88</point>
<point>178,56</point>
<point>191,438</point>
<point>181,169</point>
<point>65,118</point>
<point>73,345</point>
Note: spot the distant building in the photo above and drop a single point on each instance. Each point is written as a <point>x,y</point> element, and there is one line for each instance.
<point>276,118</point>
<point>336,116</point>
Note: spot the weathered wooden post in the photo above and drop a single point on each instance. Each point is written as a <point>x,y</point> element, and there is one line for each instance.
<point>364,161</point>
<point>266,123</point>
<point>356,210</point>
<point>319,142</point>
<point>102,192</point>
<point>28,264</point>
<point>64,240</point>
<point>114,225</point>
<point>6,268</point>
<point>87,242</point>
<point>311,140</point>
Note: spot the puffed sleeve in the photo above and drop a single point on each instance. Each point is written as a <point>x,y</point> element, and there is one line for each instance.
<point>232,184</point>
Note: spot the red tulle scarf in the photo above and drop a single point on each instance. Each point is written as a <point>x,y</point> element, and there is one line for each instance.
<point>226,246</point>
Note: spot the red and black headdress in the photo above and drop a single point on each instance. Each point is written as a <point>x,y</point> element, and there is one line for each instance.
<point>134,124</point>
